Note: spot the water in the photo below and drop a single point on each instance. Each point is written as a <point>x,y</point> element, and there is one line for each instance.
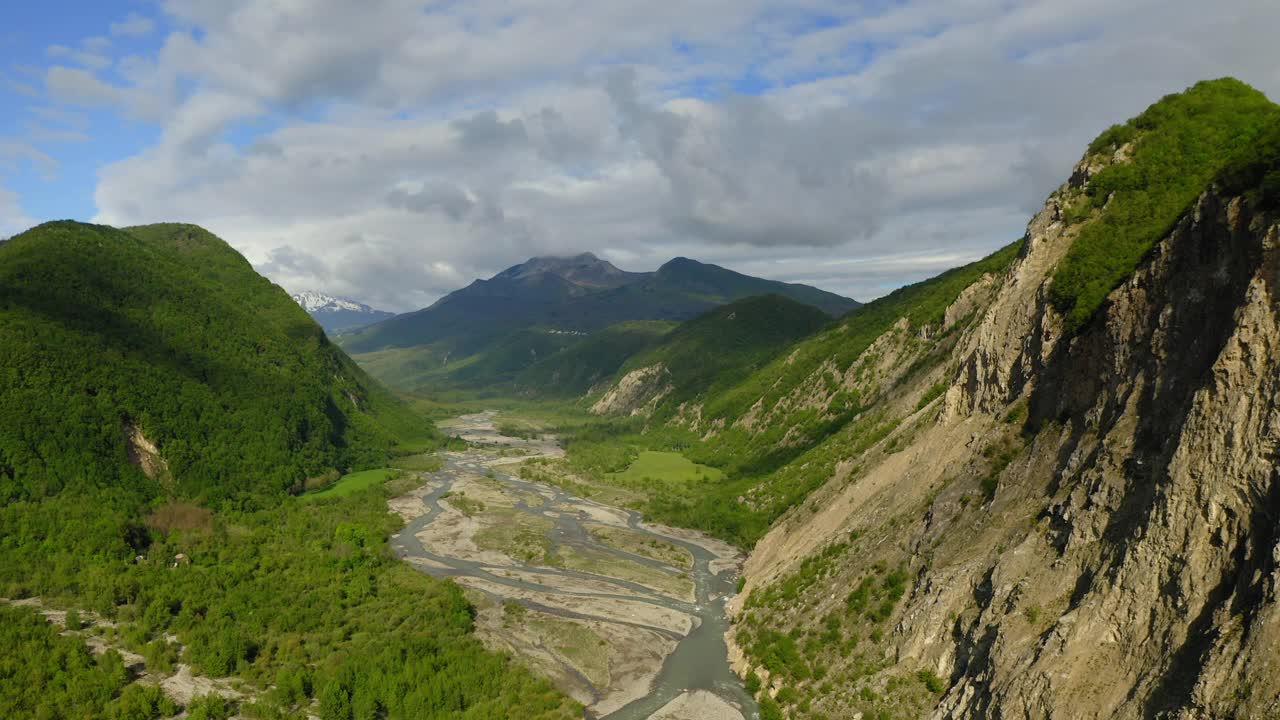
<point>699,661</point>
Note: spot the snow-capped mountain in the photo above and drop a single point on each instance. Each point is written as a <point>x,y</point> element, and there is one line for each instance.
<point>337,314</point>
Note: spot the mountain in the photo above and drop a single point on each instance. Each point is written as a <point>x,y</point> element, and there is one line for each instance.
<point>1041,485</point>
<point>1075,507</point>
<point>583,272</point>
<point>156,357</point>
<point>336,314</point>
<point>579,366</point>
<point>543,305</point>
<point>709,353</point>
<point>690,277</point>
<point>160,406</point>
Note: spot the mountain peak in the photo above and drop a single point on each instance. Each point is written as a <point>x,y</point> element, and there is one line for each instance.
<point>336,314</point>
<point>313,300</point>
<point>582,293</point>
<point>681,262</point>
<point>584,269</point>
<point>690,269</point>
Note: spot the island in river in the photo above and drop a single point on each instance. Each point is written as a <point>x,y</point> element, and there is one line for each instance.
<point>626,616</point>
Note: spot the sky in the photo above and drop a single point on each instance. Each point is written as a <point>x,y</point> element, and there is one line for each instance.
<point>393,150</point>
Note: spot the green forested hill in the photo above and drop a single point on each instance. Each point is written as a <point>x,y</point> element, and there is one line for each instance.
<point>575,369</point>
<point>706,353</point>
<point>167,329</point>
<point>719,348</point>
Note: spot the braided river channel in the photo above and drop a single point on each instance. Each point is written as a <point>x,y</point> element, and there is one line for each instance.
<point>626,616</point>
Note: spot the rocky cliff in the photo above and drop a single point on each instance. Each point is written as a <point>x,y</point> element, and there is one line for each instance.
<point>1078,523</point>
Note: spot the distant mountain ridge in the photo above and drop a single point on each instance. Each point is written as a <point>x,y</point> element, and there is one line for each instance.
<point>336,314</point>
<point>535,308</point>
<point>584,270</point>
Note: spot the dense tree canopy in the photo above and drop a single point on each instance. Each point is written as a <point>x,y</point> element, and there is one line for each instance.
<point>168,330</point>
<point>160,399</point>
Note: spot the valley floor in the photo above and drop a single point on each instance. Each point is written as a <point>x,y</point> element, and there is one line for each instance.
<point>626,616</point>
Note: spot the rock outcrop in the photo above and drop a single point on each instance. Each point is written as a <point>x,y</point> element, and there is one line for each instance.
<point>1088,523</point>
<point>637,393</point>
<point>143,453</point>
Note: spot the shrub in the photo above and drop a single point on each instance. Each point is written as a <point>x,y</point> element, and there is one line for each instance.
<point>769,709</point>
<point>1112,138</point>
<point>161,656</point>
<point>787,696</point>
<point>933,393</point>
<point>210,707</point>
<point>142,702</point>
<point>931,681</point>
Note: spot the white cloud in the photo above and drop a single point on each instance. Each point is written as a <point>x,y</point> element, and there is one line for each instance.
<point>97,43</point>
<point>391,151</point>
<point>90,60</point>
<point>43,134</point>
<point>133,25</point>
<point>20,88</point>
<point>12,217</point>
<point>13,152</point>
<point>75,86</point>
<point>48,124</point>
<point>60,116</point>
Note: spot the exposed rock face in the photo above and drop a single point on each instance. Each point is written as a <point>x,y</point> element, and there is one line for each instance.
<point>637,393</point>
<point>143,453</point>
<point>1165,491</point>
<point>1123,560</point>
<point>1011,342</point>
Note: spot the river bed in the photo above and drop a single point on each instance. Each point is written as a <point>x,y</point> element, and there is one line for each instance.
<point>627,616</point>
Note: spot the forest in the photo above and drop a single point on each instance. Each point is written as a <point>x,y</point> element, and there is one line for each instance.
<point>302,601</point>
<point>168,331</point>
<point>161,406</point>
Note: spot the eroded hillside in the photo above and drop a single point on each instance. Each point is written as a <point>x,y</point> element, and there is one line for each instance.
<point>1066,514</point>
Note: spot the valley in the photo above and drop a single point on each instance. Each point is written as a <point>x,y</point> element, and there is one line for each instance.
<point>627,616</point>
<point>1040,484</point>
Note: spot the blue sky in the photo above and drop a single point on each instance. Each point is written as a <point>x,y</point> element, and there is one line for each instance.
<point>393,150</point>
<point>76,141</point>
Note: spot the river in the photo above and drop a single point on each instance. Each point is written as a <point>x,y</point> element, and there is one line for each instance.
<point>641,620</point>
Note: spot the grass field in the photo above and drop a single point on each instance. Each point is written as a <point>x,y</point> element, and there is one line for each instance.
<point>540,415</point>
<point>353,483</point>
<point>583,648</point>
<point>665,468</point>
<point>422,462</point>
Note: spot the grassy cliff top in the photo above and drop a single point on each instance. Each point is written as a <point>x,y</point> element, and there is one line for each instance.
<point>1172,153</point>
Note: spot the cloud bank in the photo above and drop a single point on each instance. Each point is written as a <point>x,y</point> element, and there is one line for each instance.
<point>395,149</point>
